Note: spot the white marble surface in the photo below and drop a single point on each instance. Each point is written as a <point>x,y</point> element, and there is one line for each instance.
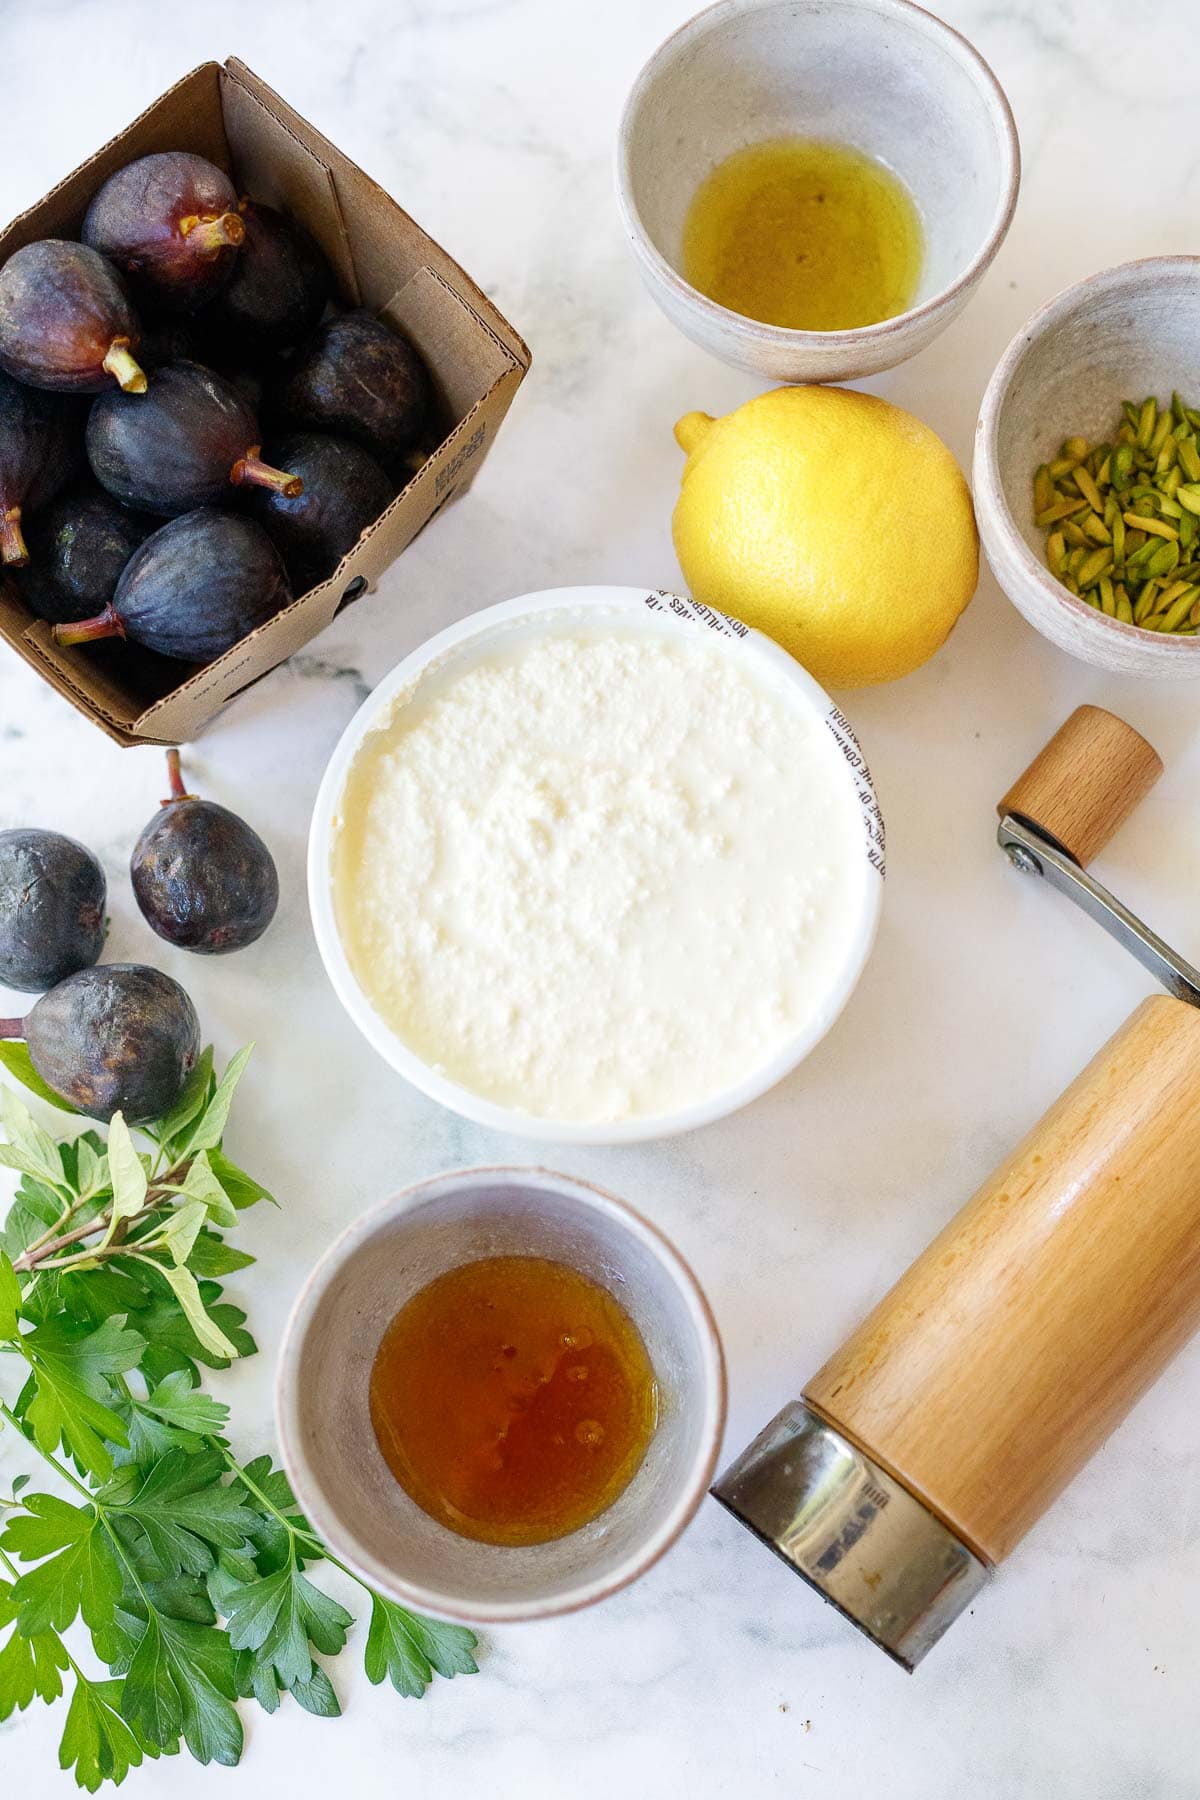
<point>492,120</point>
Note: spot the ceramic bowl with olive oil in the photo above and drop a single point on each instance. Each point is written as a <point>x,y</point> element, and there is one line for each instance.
<point>813,189</point>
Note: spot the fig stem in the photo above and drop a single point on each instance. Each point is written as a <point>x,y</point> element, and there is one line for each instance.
<point>12,545</point>
<point>251,471</point>
<point>124,370</point>
<point>12,1028</point>
<point>175,774</point>
<point>105,624</point>
<point>212,232</point>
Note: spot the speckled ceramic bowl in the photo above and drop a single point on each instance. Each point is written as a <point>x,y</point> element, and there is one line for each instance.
<point>1120,335</point>
<point>882,75</point>
<point>329,1347</point>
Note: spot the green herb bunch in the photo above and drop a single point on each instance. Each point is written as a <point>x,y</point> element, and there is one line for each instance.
<point>186,1566</point>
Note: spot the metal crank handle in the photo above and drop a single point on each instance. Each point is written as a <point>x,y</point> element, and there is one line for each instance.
<point>1033,854</point>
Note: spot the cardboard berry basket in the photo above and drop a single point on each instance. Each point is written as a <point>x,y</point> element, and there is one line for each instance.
<point>381,260</point>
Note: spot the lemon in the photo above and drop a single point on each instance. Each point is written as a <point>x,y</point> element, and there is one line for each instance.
<point>837,523</point>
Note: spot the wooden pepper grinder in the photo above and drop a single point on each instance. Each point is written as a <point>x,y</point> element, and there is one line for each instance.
<point>965,1402</point>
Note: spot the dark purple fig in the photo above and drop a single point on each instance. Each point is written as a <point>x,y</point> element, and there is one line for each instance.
<point>39,452</point>
<point>345,490</point>
<point>52,894</point>
<point>66,322</point>
<point>79,546</point>
<point>203,879</point>
<point>356,379</point>
<point>405,464</point>
<point>180,445</point>
<point>194,589</point>
<point>168,340</point>
<point>250,384</point>
<point>120,1038</point>
<point>278,289</point>
<point>170,223</point>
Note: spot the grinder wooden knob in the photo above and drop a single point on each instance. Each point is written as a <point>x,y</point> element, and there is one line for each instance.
<point>1086,782</point>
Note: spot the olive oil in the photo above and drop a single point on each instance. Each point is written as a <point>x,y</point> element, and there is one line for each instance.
<point>810,235</point>
<point>513,1399</point>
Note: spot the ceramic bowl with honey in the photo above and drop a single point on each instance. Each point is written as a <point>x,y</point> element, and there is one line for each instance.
<point>813,189</point>
<point>500,1395</point>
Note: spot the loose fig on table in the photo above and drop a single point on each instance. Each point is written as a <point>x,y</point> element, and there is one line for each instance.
<point>185,443</point>
<point>195,588</point>
<point>204,880</point>
<point>117,1038</point>
<point>52,899</point>
<point>170,224</point>
<point>40,450</point>
<point>345,490</point>
<point>355,378</point>
<point>66,321</point>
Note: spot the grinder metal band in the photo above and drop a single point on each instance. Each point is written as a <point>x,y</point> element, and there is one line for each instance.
<point>863,1541</point>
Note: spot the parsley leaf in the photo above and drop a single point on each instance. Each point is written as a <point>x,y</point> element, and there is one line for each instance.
<point>177,1401</point>
<point>149,1438</point>
<point>408,1649</point>
<point>29,1666</point>
<point>279,1615</point>
<point>181,1681</point>
<point>316,1695</point>
<point>96,1741</point>
<point>79,1573</point>
<point>72,1397</point>
<point>281,1531</point>
<point>174,1345</point>
<point>184,1509</point>
<point>97,1293</point>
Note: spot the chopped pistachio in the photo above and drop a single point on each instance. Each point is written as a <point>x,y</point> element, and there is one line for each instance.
<point>1088,489</point>
<point>1122,516</point>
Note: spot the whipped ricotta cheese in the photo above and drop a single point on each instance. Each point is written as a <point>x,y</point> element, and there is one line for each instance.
<point>598,874</point>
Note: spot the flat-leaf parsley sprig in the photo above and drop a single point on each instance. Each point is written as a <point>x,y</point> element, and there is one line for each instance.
<point>187,1567</point>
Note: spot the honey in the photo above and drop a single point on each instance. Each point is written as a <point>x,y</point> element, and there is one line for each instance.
<point>810,235</point>
<point>513,1399</point>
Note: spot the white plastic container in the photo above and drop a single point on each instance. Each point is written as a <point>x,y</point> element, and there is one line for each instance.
<point>628,609</point>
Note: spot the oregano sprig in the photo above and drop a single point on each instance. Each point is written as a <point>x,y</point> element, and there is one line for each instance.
<point>188,1568</point>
